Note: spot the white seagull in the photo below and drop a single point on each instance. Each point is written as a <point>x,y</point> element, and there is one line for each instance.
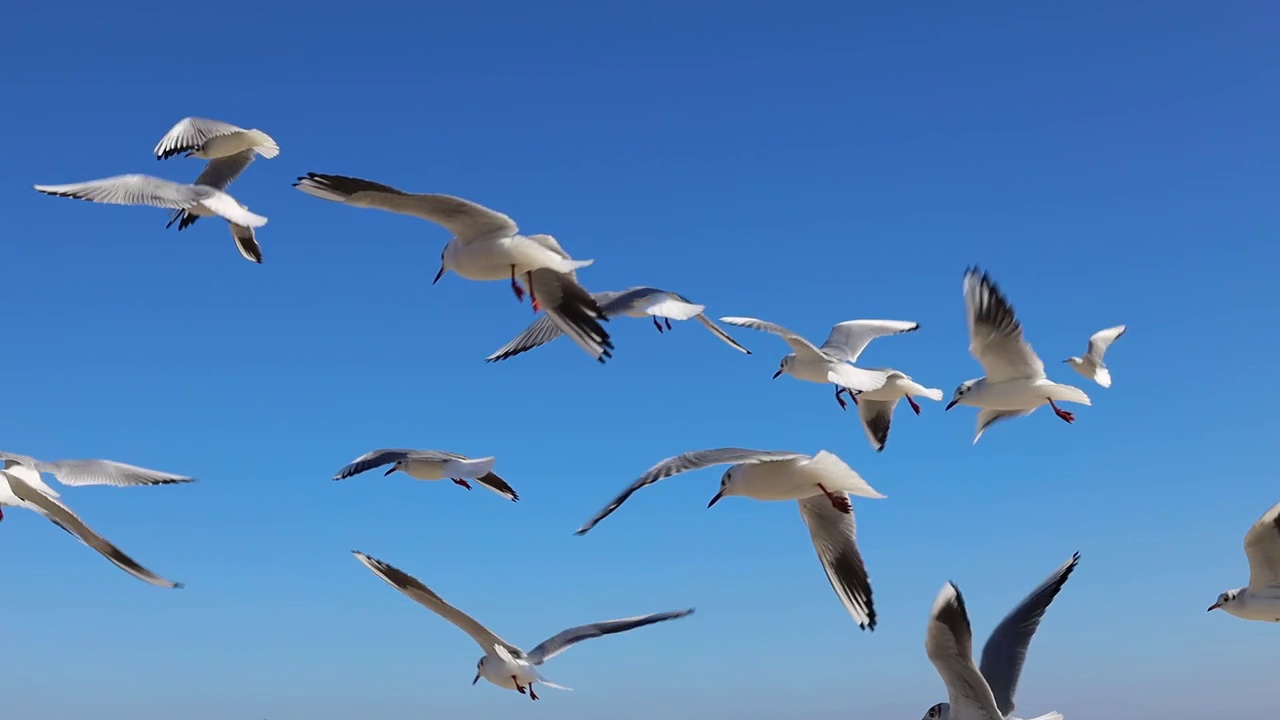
<point>1091,365</point>
<point>21,486</point>
<point>985,692</point>
<point>196,199</point>
<point>504,664</point>
<point>832,363</point>
<point>1260,599</point>
<point>821,484</point>
<point>637,302</point>
<point>211,139</point>
<point>486,245</point>
<point>432,465</point>
<point>219,174</point>
<point>1015,383</point>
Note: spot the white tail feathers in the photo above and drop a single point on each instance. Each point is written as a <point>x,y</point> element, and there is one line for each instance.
<point>675,309</point>
<point>550,684</point>
<point>1050,716</point>
<point>1068,393</point>
<point>855,378</point>
<point>263,144</point>
<point>1102,376</point>
<point>842,476</point>
<point>469,468</point>
<point>933,394</point>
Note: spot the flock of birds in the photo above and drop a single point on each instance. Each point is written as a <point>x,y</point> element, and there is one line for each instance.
<point>486,245</point>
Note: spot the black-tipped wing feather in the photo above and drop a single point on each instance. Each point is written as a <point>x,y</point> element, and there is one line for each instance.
<point>560,642</point>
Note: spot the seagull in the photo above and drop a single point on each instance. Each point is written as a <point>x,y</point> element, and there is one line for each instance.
<point>986,693</point>
<point>75,473</point>
<point>1015,383</point>
<point>1091,365</point>
<point>196,199</point>
<point>21,486</point>
<point>821,484</point>
<point>487,246</point>
<point>635,302</point>
<point>1260,599</point>
<point>212,139</point>
<point>432,465</point>
<point>218,174</point>
<point>875,408</point>
<point>832,363</point>
<point>504,664</point>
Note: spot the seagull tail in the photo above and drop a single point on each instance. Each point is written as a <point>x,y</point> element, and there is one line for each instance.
<point>263,144</point>
<point>1102,376</point>
<point>933,394</point>
<point>1068,393</point>
<point>550,684</point>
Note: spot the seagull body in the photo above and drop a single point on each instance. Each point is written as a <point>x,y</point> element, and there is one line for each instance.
<point>875,408</point>
<point>1015,383</point>
<point>986,692</point>
<point>636,302</point>
<point>219,174</point>
<point>821,484</point>
<point>212,139</point>
<point>432,465</point>
<point>195,199</point>
<point>1260,599</point>
<point>487,246</point>
<point>1090,364</point>
<point>504,664</point>
<point>21,486</point>
<point>833,361</point>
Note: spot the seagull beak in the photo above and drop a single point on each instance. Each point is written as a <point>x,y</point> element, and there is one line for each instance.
<point>388,472</point>
<point>950,405</point>
<point>1214,606</point>
<point>775,375</point>
<point>433,282</point>
<point>473,682</point>
<point>716,499</point>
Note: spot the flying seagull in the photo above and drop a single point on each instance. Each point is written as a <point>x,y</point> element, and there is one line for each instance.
<point>1091,365</point>
<point>432,465</point>
<point>1260,599</point>
<point>504,664</point>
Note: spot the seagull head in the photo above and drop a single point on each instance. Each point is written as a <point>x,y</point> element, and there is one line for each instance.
<point>394,467</point>
<point>1074,361</point>
<point>726,486</point>
<point>963,389</point>
<point>1225,599</point>
<point>785,365</point>
<point>941,711</point>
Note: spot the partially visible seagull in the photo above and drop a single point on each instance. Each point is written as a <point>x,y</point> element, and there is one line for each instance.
<point>486,245</point>
<point>432,465</point>
<point>74,473</point>
<point>504,664</point>
<point>210,139</point>
<point>637,302</point>
<point>1015,383</point>
<point>986,692</point>
<point>875,408</point>
<point>196,199</point>
<point>1091,365</point>
<point>219,174</point>
<point>21,486</point>
<point>1260,599</point>
<point>821,484</point>
<point>833,362</point>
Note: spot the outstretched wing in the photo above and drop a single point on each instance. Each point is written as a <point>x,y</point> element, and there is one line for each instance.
<point>796,342</point>
<point>995,334</point>
<point>949,645</point>
<point>560,642</point>
<point>848,339</point>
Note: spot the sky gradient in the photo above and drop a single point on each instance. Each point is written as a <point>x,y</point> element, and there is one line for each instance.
<point>1108,163</point>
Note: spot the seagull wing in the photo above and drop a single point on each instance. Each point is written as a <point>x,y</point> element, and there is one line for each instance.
<point>421,594</point>
<point>1101,340</point>
<point>798,344</point>
<point>75,473</point>
<point>562,641</point>
<point>1262,547</point>
<point>949,645</point>
<point>467,221</point>
<point>1006,649</point>
<point>371,460</point>
<point>191,133</point>
<point>848,339</point>
<point>995,334</point>
<point>542,331</point>
<point>834,537</point>
<point>684,463</point>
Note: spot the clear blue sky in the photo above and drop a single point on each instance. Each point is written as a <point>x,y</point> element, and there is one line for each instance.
<point>1109,164</point>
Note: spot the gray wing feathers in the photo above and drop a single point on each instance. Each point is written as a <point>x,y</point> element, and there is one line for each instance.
<point>465,219</point>
<point>560,642</point>
<point>834,538</point>
<point>191,133</point>
<point>573,310</point>
<point>684,463</point>
<point>715,329</point>
<point>107,472</point>
<point>371,460</point>
<point>219,173</point>
<point>246,242</point>
<point>949,645</point>
<point>1006,649</point>
<point>876,416</point>
<point>132,190</point>
<point>995,333</point>
<point>62,516</point>
<point>542,331</point>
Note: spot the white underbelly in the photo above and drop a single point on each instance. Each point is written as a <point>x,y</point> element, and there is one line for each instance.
<point>1011,395</point>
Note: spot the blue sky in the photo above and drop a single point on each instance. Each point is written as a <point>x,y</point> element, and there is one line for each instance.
<point>1112,163</point>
